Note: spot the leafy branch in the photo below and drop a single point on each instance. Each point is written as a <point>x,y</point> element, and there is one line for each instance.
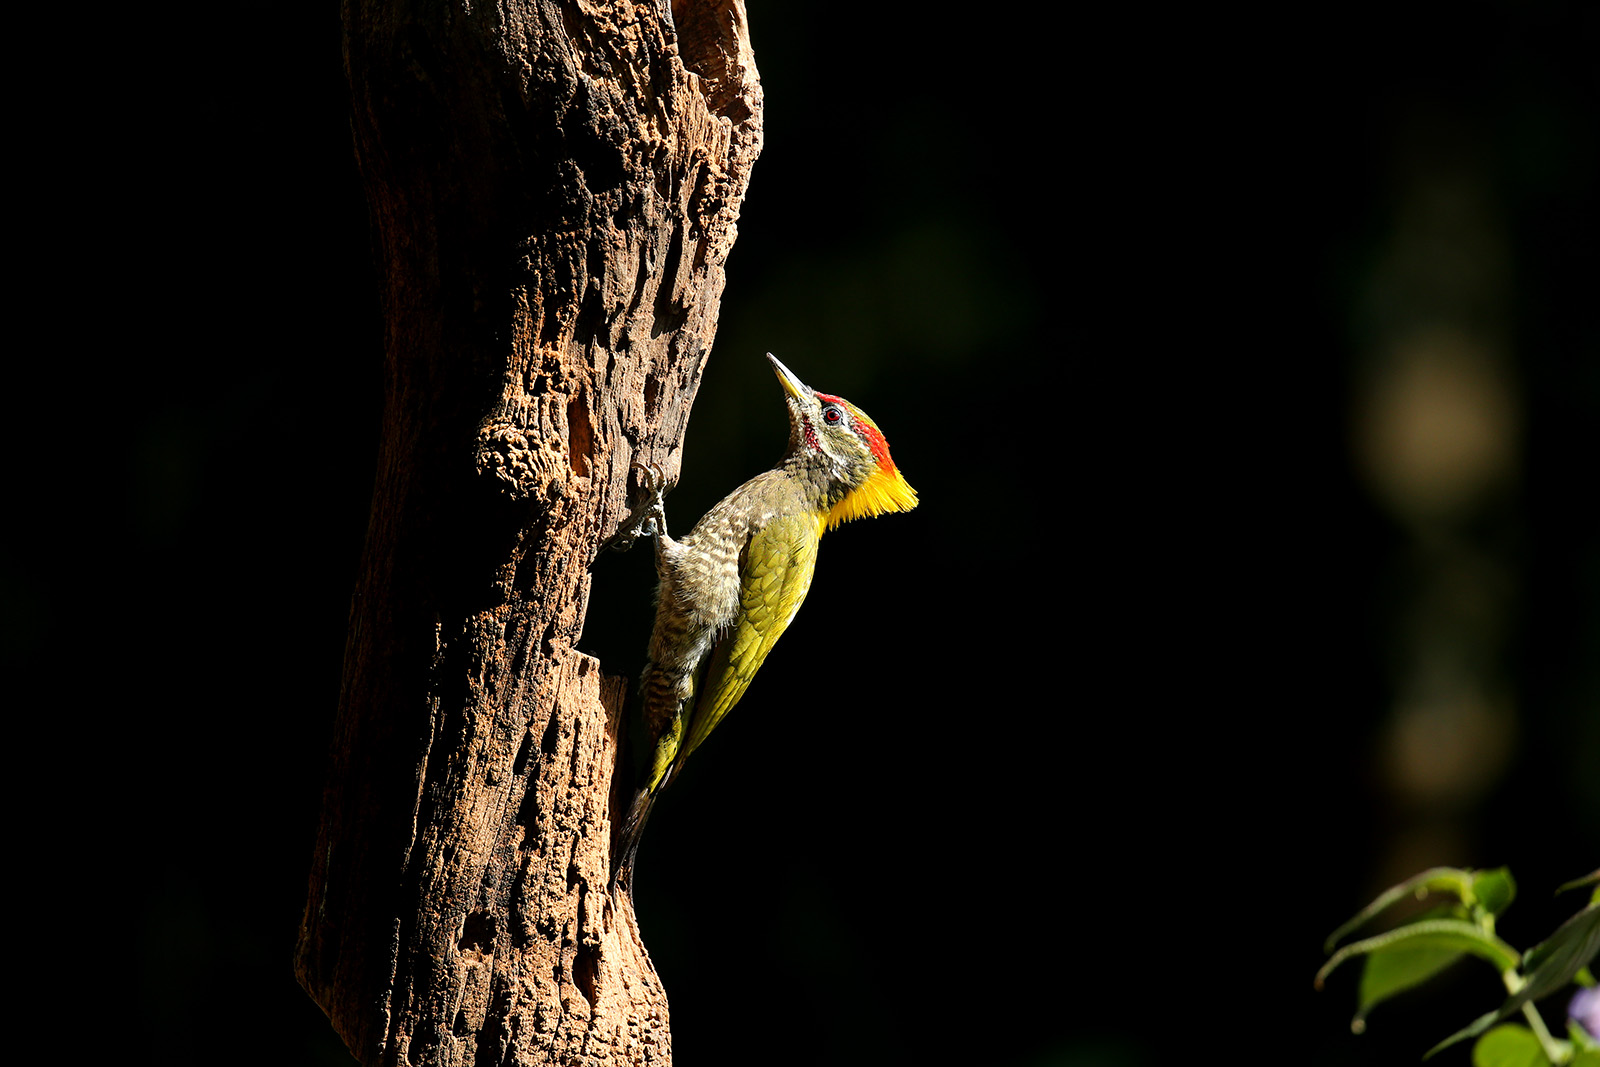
<point>1460,924</point>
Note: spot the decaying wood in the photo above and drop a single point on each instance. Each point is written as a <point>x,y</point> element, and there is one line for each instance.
<point>553,185</point>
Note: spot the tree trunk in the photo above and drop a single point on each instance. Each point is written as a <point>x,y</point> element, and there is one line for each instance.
<point>553,186</point>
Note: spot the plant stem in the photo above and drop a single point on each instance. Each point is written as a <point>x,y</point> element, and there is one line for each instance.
<point>1557,1052</point>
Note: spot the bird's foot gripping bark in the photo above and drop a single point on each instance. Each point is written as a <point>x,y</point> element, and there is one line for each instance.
<point>649,515</point>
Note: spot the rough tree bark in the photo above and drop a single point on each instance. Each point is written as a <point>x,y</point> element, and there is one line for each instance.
<point>553,186</point>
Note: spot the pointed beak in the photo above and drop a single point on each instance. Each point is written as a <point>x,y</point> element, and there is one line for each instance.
<point>793,386</point>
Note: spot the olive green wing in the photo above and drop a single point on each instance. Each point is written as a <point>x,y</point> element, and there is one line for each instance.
<point>774,577</point>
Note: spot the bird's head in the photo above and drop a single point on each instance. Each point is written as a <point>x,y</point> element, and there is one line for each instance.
<point>833,438</point>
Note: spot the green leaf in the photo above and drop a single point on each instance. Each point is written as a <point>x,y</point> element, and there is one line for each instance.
<point>1394,970</point>
<point>1592,878</point>
<point>1509,1046</point>
<point>1456,935</point>
<point>1495,889</point>
<point>1435,879</point>
<point>1472,1029</point>
<point>1555,961</point>
<point>1587,1058</point>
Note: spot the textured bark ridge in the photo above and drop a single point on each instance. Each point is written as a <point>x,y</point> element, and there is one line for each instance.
<point>554,186</point>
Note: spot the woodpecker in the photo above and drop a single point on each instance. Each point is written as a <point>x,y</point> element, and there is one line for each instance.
<point>728,590</point>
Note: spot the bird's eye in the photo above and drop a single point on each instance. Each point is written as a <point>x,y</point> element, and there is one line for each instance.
<point>833,415</point>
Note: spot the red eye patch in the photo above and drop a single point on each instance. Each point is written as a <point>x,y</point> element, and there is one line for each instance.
<point>865,429</point>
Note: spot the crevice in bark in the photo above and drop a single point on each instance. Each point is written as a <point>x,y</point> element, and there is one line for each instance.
<point>586,974</point>
<point>477,934</point>
<point>669,314</point>
<point>519,766</point>
<point>580,435</point>
<point>552,734</point>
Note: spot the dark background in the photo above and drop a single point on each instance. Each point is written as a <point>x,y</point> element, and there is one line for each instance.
<point>1097,753</point>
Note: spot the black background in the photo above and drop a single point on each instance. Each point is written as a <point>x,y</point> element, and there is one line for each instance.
<point>1088,764</point>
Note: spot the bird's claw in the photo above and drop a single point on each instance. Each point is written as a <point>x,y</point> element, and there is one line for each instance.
<point>649,517</point>
<point>651,478</point>
<point>653,482</point>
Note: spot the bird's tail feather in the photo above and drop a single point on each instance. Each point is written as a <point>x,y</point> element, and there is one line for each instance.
<point>626,846</point>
